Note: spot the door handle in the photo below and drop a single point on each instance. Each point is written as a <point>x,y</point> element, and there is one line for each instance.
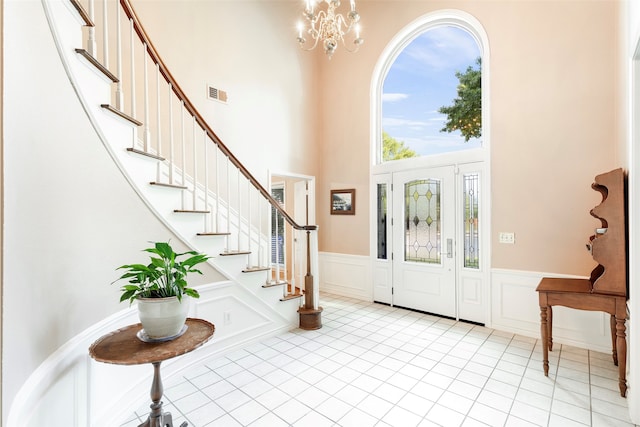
<point>449,248</point>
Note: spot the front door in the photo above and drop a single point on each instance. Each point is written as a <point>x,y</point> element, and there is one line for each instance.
<point>424,240</point>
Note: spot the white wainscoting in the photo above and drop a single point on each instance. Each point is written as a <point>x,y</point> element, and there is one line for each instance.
<point>346,275</point>
<point>514,301</point>
<point>514,308</point>
<point>73,390</point>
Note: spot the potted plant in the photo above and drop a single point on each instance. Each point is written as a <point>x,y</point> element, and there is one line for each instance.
<point>161,290</point>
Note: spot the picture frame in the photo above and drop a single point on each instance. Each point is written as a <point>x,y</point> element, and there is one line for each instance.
<point>343,202</point>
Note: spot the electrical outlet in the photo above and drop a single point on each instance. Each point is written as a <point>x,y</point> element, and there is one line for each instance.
<point>509,238</point>
<point>227,317</point>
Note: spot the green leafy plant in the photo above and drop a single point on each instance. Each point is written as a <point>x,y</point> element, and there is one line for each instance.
<point>465,114</point>
<point>164,277</point>
<point>393,149</point>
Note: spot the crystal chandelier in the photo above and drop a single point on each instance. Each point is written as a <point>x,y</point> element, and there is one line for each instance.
<point>328,26</point>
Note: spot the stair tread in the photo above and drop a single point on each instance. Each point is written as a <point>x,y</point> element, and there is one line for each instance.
<point>272,284</point>
<point>166,184</point>
<point>86,55</point>
<point>292,296</point>
<point>125,116</point>
<point>211,233</point>
<point>255,268</point>
<point>144,153</point>
<point>231,253</point>
<point>190,211</point>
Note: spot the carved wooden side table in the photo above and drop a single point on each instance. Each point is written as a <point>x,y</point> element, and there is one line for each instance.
<point>124,347</point>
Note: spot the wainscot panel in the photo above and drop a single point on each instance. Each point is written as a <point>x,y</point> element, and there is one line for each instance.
<point>346,275</point>
<point>514,308</point>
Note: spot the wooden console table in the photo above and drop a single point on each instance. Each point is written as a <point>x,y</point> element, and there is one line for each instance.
<point>123,347</point>
<point>606,288</point>
<point>576,293</point>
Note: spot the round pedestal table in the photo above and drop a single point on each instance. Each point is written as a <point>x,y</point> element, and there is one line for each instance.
<point>125,347</point>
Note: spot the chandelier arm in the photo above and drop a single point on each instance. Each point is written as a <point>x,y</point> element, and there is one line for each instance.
<point>315,43</point>
<point>343,22</point>
<point>355,42</point>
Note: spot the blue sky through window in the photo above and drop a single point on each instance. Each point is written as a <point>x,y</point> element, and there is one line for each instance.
<point>420,81</point>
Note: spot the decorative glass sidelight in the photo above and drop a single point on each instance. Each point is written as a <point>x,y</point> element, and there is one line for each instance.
<point>422,221</point>
<point>471,194</point>
<point>382,221</point>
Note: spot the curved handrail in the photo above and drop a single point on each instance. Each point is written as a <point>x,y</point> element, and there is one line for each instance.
<point>155,57</point>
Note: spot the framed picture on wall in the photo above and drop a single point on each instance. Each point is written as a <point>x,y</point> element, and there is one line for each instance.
<point>343,202</point>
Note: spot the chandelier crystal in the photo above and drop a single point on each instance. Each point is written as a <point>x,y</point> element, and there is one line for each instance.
<point>329,27</point>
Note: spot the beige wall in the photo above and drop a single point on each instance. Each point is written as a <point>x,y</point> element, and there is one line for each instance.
<point>555,109</point>
<point>555,106</point>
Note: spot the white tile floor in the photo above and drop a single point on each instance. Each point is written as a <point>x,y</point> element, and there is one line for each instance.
<point>374,365</point>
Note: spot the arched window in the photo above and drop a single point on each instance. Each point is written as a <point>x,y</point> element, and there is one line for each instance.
<point>418,74</point>
<point>432,96</point>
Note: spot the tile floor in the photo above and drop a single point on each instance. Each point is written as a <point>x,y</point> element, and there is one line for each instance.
<point>374,365</point>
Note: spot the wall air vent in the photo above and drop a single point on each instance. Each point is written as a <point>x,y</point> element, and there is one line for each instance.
<point>216,94</point>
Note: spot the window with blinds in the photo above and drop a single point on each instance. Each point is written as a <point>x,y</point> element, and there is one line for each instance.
<point>277,228</point>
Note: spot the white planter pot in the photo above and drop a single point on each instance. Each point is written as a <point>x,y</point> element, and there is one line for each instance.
<point>162,317</point>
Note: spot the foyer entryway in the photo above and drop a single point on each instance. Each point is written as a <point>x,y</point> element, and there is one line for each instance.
<point>431,219</point>
<point>430,252</point>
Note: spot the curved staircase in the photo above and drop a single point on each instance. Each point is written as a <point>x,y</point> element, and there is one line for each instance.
<point>192,183</point>
<point>171,156</point>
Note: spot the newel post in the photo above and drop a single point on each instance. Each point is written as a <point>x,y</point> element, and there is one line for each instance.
<point>310,313</point>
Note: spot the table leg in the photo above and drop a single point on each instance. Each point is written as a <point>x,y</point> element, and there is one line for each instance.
<point>545,339</point>
<point>157,417</point>
<point>614,347</point>
<point>621,339</point>
<point>550,328</point>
